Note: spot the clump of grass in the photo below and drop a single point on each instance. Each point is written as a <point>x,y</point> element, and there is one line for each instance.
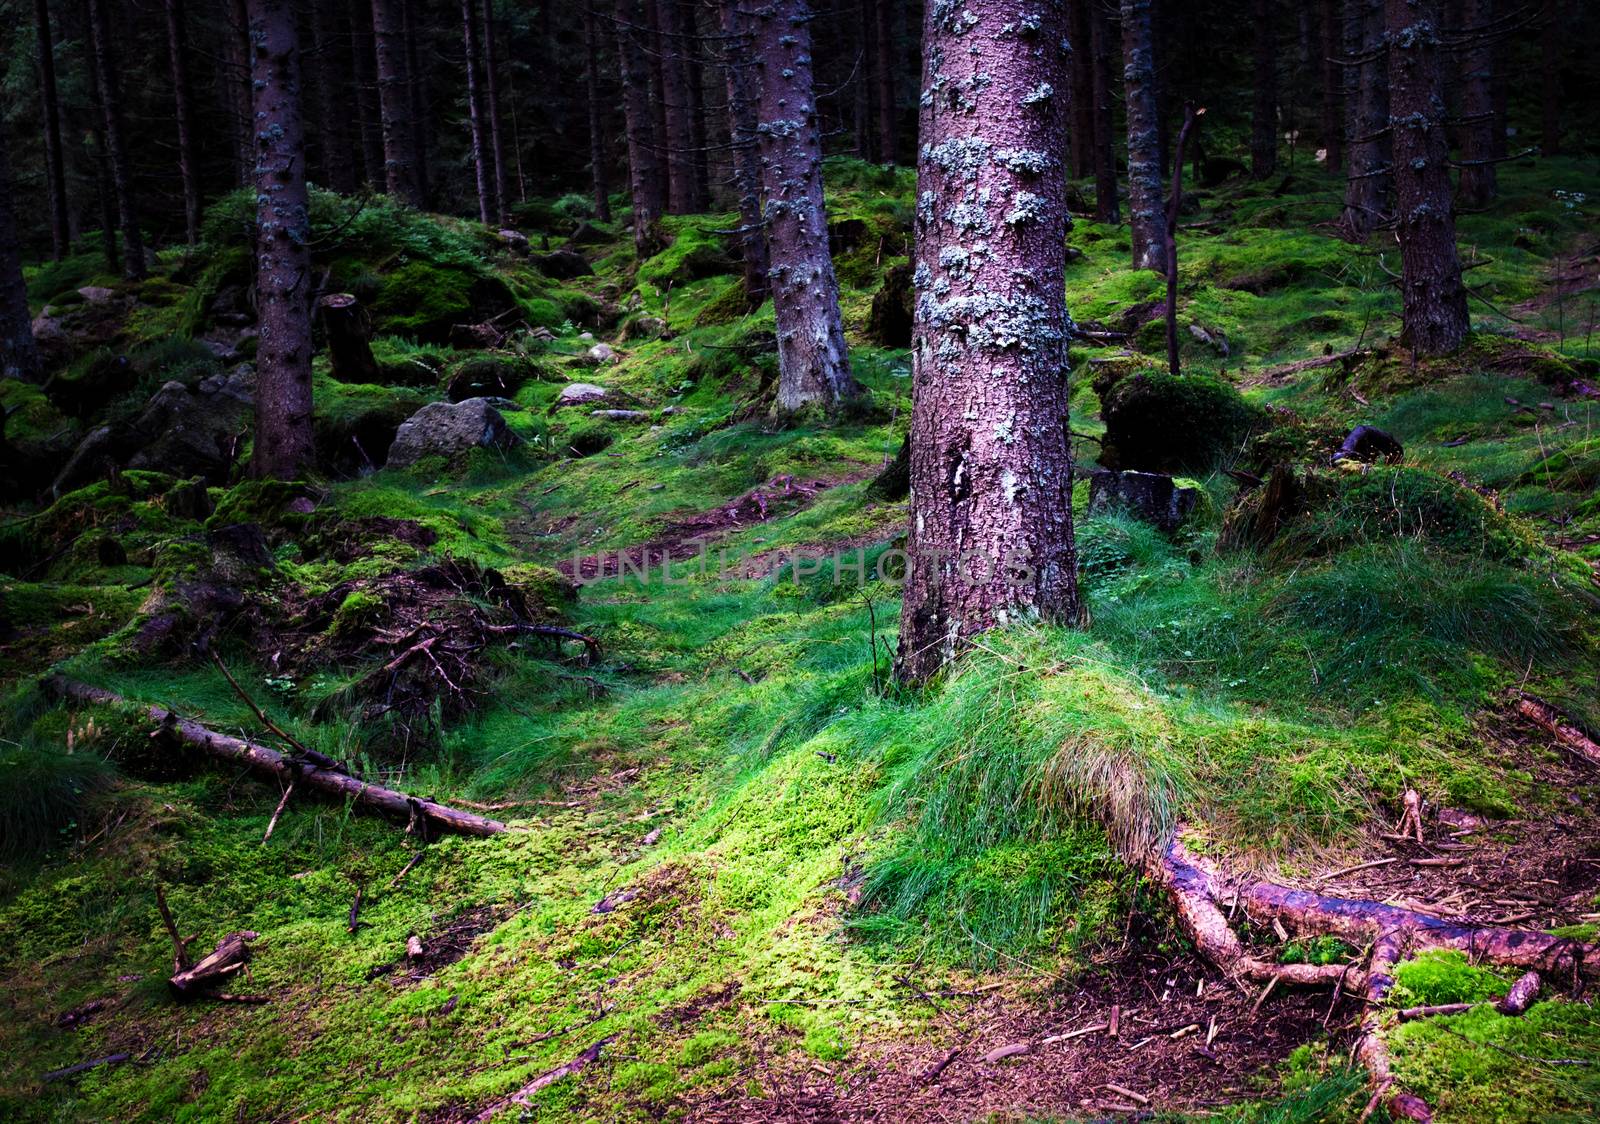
<point>44,791</point>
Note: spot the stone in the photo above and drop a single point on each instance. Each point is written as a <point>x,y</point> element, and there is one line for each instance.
<point>580,394</point>
<point>97,294</point>
<point>1151,497</point>
<point>620,415</point>
<point>602,353</point>
<point>562,265</point>
<point>450,429</point>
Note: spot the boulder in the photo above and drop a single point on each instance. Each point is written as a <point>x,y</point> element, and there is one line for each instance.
<point>562,265</point>
<point>620,415</point>
<point>602,353</point>
<point>450,429</point>
<point>1151,497</point>
<point>580,394</point>
<point>1370,445</point>
<point>588,234</point>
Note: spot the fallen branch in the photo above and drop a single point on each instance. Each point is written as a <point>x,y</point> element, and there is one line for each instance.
<point>1554,723</point>
<point>933,1072</point>
<point>269,763</point>
<point>524,1095</point>
<point>223,962</point>
<point>83,1067</point>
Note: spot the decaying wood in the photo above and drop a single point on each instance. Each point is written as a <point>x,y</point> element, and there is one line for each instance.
<point>932,1073</point>
<point>269,763</point>
<point>180,944</point>
<point>83,1067</point>
<point>1554,723</point>
<point>1522,993</point>
<point>523,1095</point>
<point>222,963</point>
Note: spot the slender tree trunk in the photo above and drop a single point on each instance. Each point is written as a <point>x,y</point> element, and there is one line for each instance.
<point>597,140</point>
<point>236,49</point>
<point>1434,298</point>
<point>19,355</point>
<point>1332,85</point>
<point>812,364</point>
<point>743,93</point>
<point>1366,107</point>
<point>336,143</point>
<point>283,446</point>
<point>1144,158</point>
<point>681,195</point>
<point>417,96</point>
<point>102,173</point>
<point>1081,63</point>
<point>655,60</point>
<point>646,178</point>
<point>1478,181</point>
<point>883,44</point>
<point>54,163</point>
<point>699,156</point>
<point>497,151</point>
<point>488,206</point>
<point>105,65</point>
<point>1500,93</point>
<point>1264,115</point>
<point>188,163</point>
<point>991,466</point>
<point>866,59</point>
<point>1101,44</point>
<point>1552,43</point>
<point>363,52</point>
<point>394,100</point>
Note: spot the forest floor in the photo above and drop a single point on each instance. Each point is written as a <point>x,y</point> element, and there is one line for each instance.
<point>746,878</point>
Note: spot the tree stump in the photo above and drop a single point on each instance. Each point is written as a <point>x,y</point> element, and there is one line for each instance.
<point>348,330</point>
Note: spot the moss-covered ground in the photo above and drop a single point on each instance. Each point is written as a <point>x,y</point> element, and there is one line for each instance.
<point>734,839</point>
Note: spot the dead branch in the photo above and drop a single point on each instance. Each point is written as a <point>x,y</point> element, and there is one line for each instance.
<point>1557,725</point>
<point>523,1095</point>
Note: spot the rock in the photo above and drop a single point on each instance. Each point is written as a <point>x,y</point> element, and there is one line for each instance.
<point>586,335</point>
<point>97,294</point>
<point>602,353</point>
<point>1151,497</point>
<point>645,328</point>
<point>485,378</point>
<point>620,415</point>
<point>450,429</point>
<point>588,234</point>
<point>562,265</point>
<point>1369,444</point>
<point>580,394</point>
<point>514,240</point>
<point>1217,341</point>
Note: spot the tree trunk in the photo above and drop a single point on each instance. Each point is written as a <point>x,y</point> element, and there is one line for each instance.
<point>1477,184</point>
<point>883,44</point>
<point>699,156</point>
<point>1191,121</point>
<point>597,141</point>
<point>1332,85</point>
<point>1434,299</point>
<point>1144,156</point>
<point>991,467</point>
<point>743,92</point>
<point>497,151</point>
<point>1366,116</point>
<point>102,173</point>
<point>54,164</point>
<point>348,331</point>
<point>812,364</point>
<point>236,49</point>
<point>1552,42</point>
<point>1101,44</point>
<point>488,206</point>
<point>188,163</point>
<point>336,142</point>
<point>394,103</point>
<point>283,449</point>
<point>646,179</point>
<point>1081,62</point>
<point>416,96</point>
<point>1264,114</point>
<point>681,198</point>
<point>866,59</point>
<point>105,66</point>
<point>19,355</point>
<point>362,52</point>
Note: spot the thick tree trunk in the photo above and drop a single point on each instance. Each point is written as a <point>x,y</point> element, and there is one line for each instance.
<point>54,164</point>
<point>417,95</point>
<point>646,178</point>
<point>394,103</point>
<point>283,449</point>
<point>1264,114</point>
<point>102,174</point>
<point>363,69</point>
<point>883,76</point>
<point>1433,296</point>
<point>188,162</point>
<point>497,150</point>
<point>681,195</point>
<point>1081,64</point>
<point>348,331</point>
<point>19,355</point>
<point>1552,48</point>
<point>699,155</point>
<point>1332,84</point>
<point>1101,44</point>
<point>105,67</point>
<point>488,206</point>
<point>812,364</point>
<point>743,93</point>
<point>598,156</point>
<point>1144,156</point>
<point>991,467</point>
<point>336,145</point>
<point>1477,184</point>
<point>1366,109</point>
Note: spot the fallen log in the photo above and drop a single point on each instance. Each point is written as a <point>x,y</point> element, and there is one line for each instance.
<point>525,1094</point>
<point>1554,723</point>
<point>270,764</point>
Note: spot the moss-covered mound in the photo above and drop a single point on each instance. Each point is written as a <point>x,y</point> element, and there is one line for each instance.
<point>1157,423</point>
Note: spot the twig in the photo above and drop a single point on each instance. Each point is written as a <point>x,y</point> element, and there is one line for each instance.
<point>261,715</point>
<point>180,945</point>
<point>278,811</point>
<point>931,1074</point>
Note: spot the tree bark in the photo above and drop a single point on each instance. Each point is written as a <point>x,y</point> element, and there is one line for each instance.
<point>1264,114</point>
<point>812,364</point>
<point>19,355</point>
<point>991,466</point>
<point>188,162</point>
<point>488,206</point>
<point>236,49</point>
<point>597,142</point>
<point>348,331</point>
<point>646,178</point>
<point>743,93</point>
<point>283,448</point>
<point>497,150</point>
<point>1552,44</point>
<point>1366,109</point>
<point>335,141</point>
<point>1433,296</point>
<point>102,173</point>
<point>1106,207</point>
<point>1144,150</point>
<point>1332,85</point>
<point>394,103</point>
<point>105,66</point>
<point>1191,120</point>
<point>417,96</point>
<point>681,195</point>
<point>867,56</point>
<point>54,163</point>
<point>883,45</point>
<point>699,155</point>
<point>1081,63</point>
<point>363,69</point>
<point>1478,183</point>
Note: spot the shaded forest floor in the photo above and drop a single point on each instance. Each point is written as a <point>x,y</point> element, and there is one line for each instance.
<point>765,882</point>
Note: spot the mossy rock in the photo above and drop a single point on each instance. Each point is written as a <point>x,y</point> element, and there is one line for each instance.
<point>424,300</point>
<point>541,587</point>
<point>35,437</point>
<point>731,303</point>
<point>1157,423</point>
<point>354,426</point>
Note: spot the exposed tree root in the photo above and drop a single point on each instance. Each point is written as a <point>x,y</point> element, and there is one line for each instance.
<point>1200,892</point>
<point>319,775</point>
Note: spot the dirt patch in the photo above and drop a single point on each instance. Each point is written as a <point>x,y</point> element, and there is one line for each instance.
<point>444,944</point>
<point>698,1006</point>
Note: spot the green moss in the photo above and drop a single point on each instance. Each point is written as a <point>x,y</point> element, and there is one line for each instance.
<point>1155,422</point>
